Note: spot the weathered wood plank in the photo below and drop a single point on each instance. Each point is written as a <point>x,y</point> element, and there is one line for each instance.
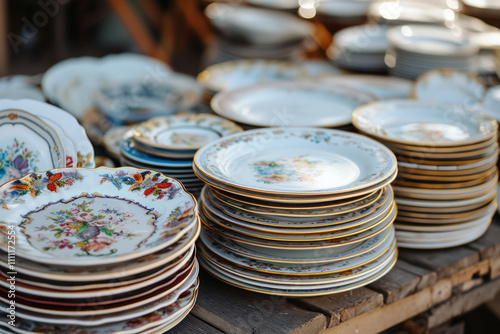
<point>396,285</point>
<point>234,310</point>
<point>427,277</point>
<point>444,262</point>
<point>488,245</point>
<point>389,315</point>
<point>462,303</point>
<point>193,325</point>
<point>343,306</point>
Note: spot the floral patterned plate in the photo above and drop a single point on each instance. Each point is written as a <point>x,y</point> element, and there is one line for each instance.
<point>27,144</point>
<point>130,151</point>
<point>270,255</point>
<point>424,123</point>
<point>132,321</point>
<point>290,104</point>
<point>300,161</point>
<point>118,271</point>
<point>68,124</point>
<point>183,132</point>
<point>305,292</point>
<point>81,217</point>
<point>306,248</point>
<point>67,292</point>
<point>285,226</point>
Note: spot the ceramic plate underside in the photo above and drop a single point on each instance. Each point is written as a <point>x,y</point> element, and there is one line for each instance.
<point>299,225</point>
<point>27,144</point>
<point>182,132</point>
<point>290,104</point>
<point>296,161</point>
<point>424,123</point>
<point>83,217</point>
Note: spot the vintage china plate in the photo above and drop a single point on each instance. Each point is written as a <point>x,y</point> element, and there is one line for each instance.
<point>382,87</point>
<point>276,214</point>
<point>129,150</point>
<point>424,123</point>
<point>189,286</point>
<point>83,217</point>
<point>183,132</point>
<point>298,225</point>
<point>445,203</point>
<point>171,171</point>
<point>462,170</point>
<point>305,292</point>
<point>246,72</point>
<point>85,314</point>
<point>452,164</point>
<point>27,144</point>
<point>112,140</point>
<point>68,124</point>
<point>446,178</point>
<point>453,156</point>
<point>290,104</point>
<point>271,255</point>
<point>451,86</point>
<point>296,161</point>
<point>442,182</point>
<point>307,247</point>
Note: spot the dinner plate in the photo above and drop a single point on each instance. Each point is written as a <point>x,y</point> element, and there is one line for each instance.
<point>424,123</point>
<point>443,244</point>
<point>433,170</point>
<point>382,87</point>
<point>112,140</point>
<point>309,248</point>
<point>68,124</point>
<point>448,85</point>
<point>27,144</point>
<point>296,161</point>
<point>443,182</point>
<point>183,132</point>
<point>161,305</point>
<point>437,150</point>
<point>290,104</point>
<point>299,225</point>
<point>171,171</point>
<point>305,292</point>
<point>270,255</point>
<point>246,72</point>
<point>83,217</point>
<point>454,156</point>
<point>129,150</point>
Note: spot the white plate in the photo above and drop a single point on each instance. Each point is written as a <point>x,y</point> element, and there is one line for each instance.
<point>68,123</point>
<point>362,39</point>
<point>85,217</point>
<point>490,104</point>
<point>425,123</point>
<point>27,144</point>
<point>449,86</point>
<point>296,161</point>
<point>290,104</point>
<point>382,87</point>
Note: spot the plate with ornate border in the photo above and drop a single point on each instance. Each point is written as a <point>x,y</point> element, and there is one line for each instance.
<point>305,292</point>
<point>82,217</point>
<point>142,315</point>
<point>304,161</point>
<point>270,255</point>
<point>299,225</point>
<point>183,132</point>
<point>290,104</point>
<point>424,123</point>
<point>66,121</point>
<point>27,144</point>
<point>129,150</point>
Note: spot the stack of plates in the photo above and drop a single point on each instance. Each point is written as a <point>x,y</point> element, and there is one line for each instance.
<point>297,212</point>
<point>249,32</point>
<point>360,48</point>
<point>38,136</point>
<point>419,48</point>
<point>99,251</point>
<point>168,144</point>
<point>447,181</point>
<point>290,104</point>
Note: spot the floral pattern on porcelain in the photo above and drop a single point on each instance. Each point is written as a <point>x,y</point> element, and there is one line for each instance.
<point>17,160</point>
<point>287,169</point>
<point>84,160</point>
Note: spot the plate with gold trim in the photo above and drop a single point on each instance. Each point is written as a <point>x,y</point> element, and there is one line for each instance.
<point>85,217</point>
<point>304,161</point>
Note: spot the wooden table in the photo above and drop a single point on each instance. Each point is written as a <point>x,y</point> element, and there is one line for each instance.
<point>438,285</point>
